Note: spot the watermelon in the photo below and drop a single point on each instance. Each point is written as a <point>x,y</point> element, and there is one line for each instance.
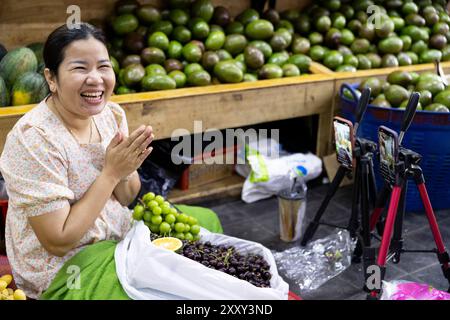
<point>4,94</point>
<point>31,87</point>
<point>15,63</point>
<point>38,49</point>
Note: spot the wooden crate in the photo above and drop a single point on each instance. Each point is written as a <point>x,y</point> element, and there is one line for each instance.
<point>209,168</point>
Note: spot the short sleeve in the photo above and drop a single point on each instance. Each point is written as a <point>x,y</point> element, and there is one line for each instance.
<point>35,172</point>
<point>120,117</point>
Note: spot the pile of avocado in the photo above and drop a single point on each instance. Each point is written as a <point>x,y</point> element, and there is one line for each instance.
<point>193,43</point>
<point>343,36</point>
<point>394,92</point>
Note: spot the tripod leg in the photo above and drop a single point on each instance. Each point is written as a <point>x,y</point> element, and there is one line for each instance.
<point>312,227</point>
<point>397,241</point>
<point>372,185</point>
<point>443,255</point>
<point>365,199</point>
<point>364,238</point>
<point>379,206</point>
<point>386,239</point>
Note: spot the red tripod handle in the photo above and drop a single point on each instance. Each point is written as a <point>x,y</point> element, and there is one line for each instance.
<point>431,218</point>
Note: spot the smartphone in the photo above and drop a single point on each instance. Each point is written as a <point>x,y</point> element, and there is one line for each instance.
<point>343,134</point>
<point>388,145</point>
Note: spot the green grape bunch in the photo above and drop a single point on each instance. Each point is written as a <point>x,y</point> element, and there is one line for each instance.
<point>164,219</point>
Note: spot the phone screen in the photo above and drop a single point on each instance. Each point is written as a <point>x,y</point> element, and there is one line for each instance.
<point>388,153</point>
<point>343,137</point>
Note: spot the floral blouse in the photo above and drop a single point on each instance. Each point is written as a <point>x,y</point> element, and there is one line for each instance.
<point>45,168</point>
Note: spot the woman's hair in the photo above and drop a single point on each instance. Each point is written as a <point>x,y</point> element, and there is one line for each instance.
<point>61,37</point>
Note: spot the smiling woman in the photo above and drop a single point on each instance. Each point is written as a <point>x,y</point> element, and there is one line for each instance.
<point>69,164</point>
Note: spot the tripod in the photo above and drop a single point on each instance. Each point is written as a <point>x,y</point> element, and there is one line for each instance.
<point>406,167</point>
<point>364,188</point>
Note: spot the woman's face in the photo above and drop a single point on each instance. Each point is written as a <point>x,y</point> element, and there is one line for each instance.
<point>85,79</point>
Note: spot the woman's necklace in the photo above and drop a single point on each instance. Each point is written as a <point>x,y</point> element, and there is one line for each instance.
<point>68,127</point>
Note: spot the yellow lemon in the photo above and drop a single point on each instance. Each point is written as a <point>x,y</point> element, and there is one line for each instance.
<point>3,285</point>
<point>169,243</point>
<point>19,295</point>
<point>10,298</point>
<point>10,291</point>
<point>5,292</point>
<point>7,278</point>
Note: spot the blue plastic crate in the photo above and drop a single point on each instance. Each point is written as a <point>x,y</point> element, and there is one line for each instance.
<point>429,135</point>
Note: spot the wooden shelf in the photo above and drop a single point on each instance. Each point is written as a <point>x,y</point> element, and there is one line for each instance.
<point>221,106</point>
<point>227,187</point>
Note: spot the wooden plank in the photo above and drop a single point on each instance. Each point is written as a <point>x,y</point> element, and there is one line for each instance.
<point>231,109</point>
<point>228,187</point>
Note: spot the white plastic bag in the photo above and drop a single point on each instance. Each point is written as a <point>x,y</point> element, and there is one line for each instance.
<point>147,272</point>
<point>270,176</point>
<point>269,148</point>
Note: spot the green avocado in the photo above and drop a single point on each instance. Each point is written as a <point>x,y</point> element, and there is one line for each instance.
<point>179,78</point>
<point>404,59</point>
<point>133,74</point>
<point>203,9</point>
<point>390,45</point>
<point>270,71</point>
<point>373,83</point>
<point>437,107</point>
<point>191,68</point>
<point>259,29</point>
<point>228,72</point>
<point>290,70</point>
<point>158,40</point>
<point>333,59</point>
<point>396,94</point>
<point>429,56</point>
<point>155,69</point>
<point>235,44</point>
<point>402,78</point>
<point>263,46</point>
<point>125,23</point>
<point>158,82</point>
<point>302,61</point>
<point>425,97</point>
<point>215,40</point>
<point>175,49</point>
<point>181,34</point>
<point>234,27</point>
<point>192,52</point>
<point>443,98</point>
<point>254,58</point>
<point>199,78</point>
<point>278,58</point>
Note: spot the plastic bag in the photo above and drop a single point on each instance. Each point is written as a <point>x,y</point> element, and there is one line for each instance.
<point>408,290</point>
<point>318,262</point>
<point>270,176</point>
<point>269,148</point>
<point>158,173</point>
<point>149,272</point>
